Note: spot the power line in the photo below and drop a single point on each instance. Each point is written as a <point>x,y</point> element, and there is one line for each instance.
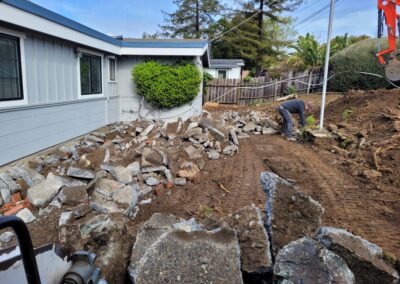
<point>243,22</point>
<point>321,12</point>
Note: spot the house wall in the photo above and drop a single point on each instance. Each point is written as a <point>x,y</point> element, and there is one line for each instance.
<point>231,73</point>
<point>133,106</point>
<point>54,111</point>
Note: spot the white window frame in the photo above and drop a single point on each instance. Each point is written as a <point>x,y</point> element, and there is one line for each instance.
<point>108,69</point>
<point>226,73</point>
<point>80,51</point>
<point>22,37</point>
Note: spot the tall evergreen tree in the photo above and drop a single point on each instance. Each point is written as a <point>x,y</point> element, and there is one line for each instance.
<point>192,19</point>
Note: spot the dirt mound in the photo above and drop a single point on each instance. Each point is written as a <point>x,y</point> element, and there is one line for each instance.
<point>368,128</point>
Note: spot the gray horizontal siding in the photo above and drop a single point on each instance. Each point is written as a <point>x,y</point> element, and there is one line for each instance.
<point>30,130</point>
<point>113,110</point>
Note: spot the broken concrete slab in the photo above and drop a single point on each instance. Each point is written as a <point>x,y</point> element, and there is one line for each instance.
<point>179,181</point>
<point>232,133</point>
<point>307,261</point>
<point>42,193</point>
<point>255,254</point>
<point>217,134</point>
<point>5,194</point>
<point>127,196</point>
<point>144,189</point>
<point>95,224</point>
<point>26,215</point>
<point>75,195</point>
<point>249,127</point>
<point>122,174</point>
<point>362,257</point>
<point>151,158</point>
<point>230,150</point>
<point>6,237</point>
<point>66,181</point>
<point>193,153</point>
<point>290,213</point>
<point>80,173</point>
<point>107,187</point>
<point>151,181</point>
<point>213,155</point>
<point>6,181</point>
<point>31,177</point>
<point>134,168</point>
<point>148,234</point>
<point>199,257</point>
<point>268,131</point>
<point>153,169</point>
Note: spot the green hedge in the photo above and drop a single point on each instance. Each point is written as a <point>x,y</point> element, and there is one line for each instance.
<point>167,85</point>
<point>358,57</point>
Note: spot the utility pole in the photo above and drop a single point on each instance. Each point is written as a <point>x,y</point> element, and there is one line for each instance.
<point>326,70</point>
<point>260,31</point>
<point>197,19</point>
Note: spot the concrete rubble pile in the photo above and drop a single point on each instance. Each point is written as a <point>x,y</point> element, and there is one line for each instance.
<point>97,183</point>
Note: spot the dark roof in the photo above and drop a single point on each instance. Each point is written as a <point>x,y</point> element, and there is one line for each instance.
<point>37,10</point>
<point>226,63</point>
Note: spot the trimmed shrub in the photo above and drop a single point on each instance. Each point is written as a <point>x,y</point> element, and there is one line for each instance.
<point>355,58</point>
<point>167,85</point>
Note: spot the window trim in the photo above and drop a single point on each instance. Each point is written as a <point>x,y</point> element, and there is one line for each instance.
<point>21,43</point>
<point>81,51</point>
<point>226,73</point>
<point>115,69</point>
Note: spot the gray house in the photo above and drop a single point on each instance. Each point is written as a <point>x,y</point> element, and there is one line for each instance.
<point>60,79</point>
<point>225,68</point>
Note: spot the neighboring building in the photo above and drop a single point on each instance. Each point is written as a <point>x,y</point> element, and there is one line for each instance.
<point>60,79</point>
<point>226,68</point>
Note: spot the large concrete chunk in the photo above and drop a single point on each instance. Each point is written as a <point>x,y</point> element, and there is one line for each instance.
<point>127,195</point>
<point>363,257</point>
<point>308,262</point>
<point>157,225</point>
<point>31,177</point>
<point>122,174</point>
<point>107,187</point>
<point>42,193</point>
<point>191,257</point>
<point>253,240</point>
<point>291,214</point>
<point>80,173</point>
<point>7,182</point>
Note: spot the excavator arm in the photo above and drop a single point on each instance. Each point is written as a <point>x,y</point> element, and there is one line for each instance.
<point>387,10</point>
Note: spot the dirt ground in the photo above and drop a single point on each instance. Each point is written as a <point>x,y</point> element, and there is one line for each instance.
<point>367,208</point>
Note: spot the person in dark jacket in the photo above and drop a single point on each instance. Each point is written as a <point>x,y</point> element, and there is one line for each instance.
<point>289,107</point>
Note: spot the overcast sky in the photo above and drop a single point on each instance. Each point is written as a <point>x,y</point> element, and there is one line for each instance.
<point>132,18</point>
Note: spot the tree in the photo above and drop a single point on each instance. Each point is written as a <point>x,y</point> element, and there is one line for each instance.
<point>192,19</point>
<point>341,42</point>
<point>309,53</point>
<point>253,36</point>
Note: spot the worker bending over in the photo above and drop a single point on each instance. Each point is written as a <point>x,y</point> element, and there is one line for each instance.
<point>289,107</point>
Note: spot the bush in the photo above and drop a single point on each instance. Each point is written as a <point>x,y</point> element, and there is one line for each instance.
<point>167,85</point>
<point>358,57</point>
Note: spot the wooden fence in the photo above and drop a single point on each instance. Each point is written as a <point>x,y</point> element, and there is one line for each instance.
<point>247,92</point>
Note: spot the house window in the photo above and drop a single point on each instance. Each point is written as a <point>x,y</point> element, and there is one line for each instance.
<point>10,69</point>
<point>221,74</point>
<point>111,69</point>
<point>90,66</point>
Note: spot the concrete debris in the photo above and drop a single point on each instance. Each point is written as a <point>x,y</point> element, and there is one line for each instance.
<point>213,155</point>
<point>144,189</point>
<point>230,150</point>
<point>255,254</point>
<point>153,169</point>
<point>122,174</point>
<point>5,195</point>
<point>31,177</point>
<point>193,153</point>
<point>151,181</point>
<point>65,218</point>
<point>290,212</point>
<point>95,224</point>
<point>127,196</point>
<point>80,173</point>
<point>249,127</point>
<point>232,133</point>
<point>134,168</point>
<point>6,237</point>
<point>179,181</point>
<point>107,187</point>
<point>306,261</point>
<point>6,181</point>
<point>362,257</point>
<point>26,215</point>
<point>75,195</point>
<point>42,193</point>
<point>199,256</point>
<point>66,181</point>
